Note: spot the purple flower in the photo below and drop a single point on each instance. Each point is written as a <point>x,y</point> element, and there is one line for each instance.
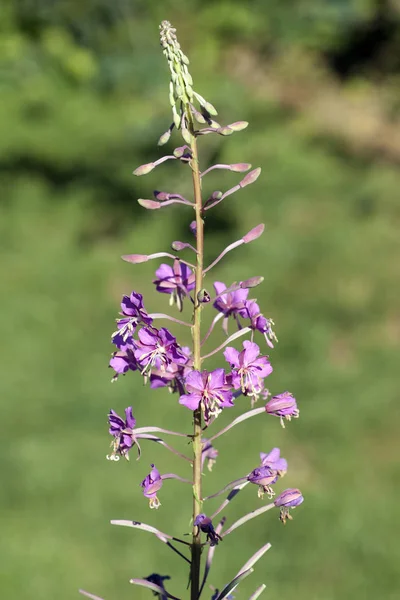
<point>174,375</point>
<point>159,580</point>
<point>209,454</point>
<point>134,313</point>
<point>248,369</point>
<point>151,485</point>
<point>157,348</point>
<point>208,391</point>
<point>122,431</point>
<point>264,477</point>
<point>273,461</point>
<point>177,281</point>
<point>122,362</point>
<point>288,499</point>
<point>230,304</point>
<point>207,527</point>
<point>259,322</point>
<point>283,406</point>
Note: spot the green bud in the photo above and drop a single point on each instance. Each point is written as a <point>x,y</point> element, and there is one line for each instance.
<point>163,139</point>
<point>144,169</point>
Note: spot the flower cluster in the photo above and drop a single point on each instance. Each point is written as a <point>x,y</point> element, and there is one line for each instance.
<point>157,357</point>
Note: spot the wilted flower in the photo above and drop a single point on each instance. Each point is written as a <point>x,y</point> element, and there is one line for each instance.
<point>209,454</point>
<point>151,485</point>
<point>283,406</point>
<point>259,322</point>
<point>134,314</point>
<point>207,527</point>
<point>159,580</point>
<point>248,369</point>
<point>264,477</point>
<point>208,391</point>
<point>273,461</point>
<point>122,431</point>
<point>177,281</point>
<point>288,499</point>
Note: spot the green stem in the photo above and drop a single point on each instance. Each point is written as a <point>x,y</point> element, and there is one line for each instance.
<point>197,431</point>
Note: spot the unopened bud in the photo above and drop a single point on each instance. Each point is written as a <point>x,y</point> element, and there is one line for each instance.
<point>180,151</point>
<point>149,204</point>
<point>238,125</point>
<point>251,283</point>
<point>240,167</point>
<point>144,169</point>
<point>224,130</point>
<point>161,195</point>
<point>254,233</point>
<point>177,245</point>
<point>250,177</point>
<point>163,139</point>
<point>135,258</point>
<point>193,228</point>
<point>203,296</point>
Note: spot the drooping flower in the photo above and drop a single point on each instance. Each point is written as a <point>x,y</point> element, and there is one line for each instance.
<point>122,362</point>
<point>157,348</point>
<point>273,461</point>
<point>209,454</point>
<point>259,322</point>
<point>134,313</point>
<point>173,376</point>
<point>207,527</point>
<point>159,580</point>
<point>122,431</point>
<point>151,485</point>
<point>264,477</point>
<point>230,304</point>
<point>283,406</point>
<point>209,391</point>
<point>248,369</point>
<point>178,281</point>
<point>286,500</point>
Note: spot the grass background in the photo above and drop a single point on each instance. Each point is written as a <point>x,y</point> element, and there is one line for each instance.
<point>83,102</point>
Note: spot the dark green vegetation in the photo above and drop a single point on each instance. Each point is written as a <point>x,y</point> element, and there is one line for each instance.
<point>84,98</point>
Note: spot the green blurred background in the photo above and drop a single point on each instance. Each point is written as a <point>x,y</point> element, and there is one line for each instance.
<point>83,99</point>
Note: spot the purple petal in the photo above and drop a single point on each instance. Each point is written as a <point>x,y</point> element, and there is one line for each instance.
<point>130,419</point>
<point>191,401</point>
<point>232,356</point>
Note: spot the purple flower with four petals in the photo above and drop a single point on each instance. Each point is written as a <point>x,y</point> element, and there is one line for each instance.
<point>178,281</point>
<point>230,304</point>
<point>122,362</point>
<point>208,391</point>
<point>283,406</point>
<point>248,369</point>
<point>122,431</point>
<point>151,485</point>
<point>157,348</point>
<point>134,313</point>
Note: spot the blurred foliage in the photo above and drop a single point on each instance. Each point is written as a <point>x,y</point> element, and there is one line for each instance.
<point>83,100</point>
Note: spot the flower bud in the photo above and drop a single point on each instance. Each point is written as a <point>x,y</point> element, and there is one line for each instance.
<point>161,195</point>
<point>203,296</point>
<point>224,130</point>
<point>178,245</point>
<point>251,283</point>
<point>149,204</point>
<point>135,258</point>
<point>193,228</point>
<point>240,167</point>
<point>289,498</point>
<point>250,177</point>
<point>254,233</point>
<point>144,169</point>
<point>238,125</point>
<point>164,138</point>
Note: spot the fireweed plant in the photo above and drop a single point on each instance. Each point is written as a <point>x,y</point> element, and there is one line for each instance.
<point>155,354</point>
